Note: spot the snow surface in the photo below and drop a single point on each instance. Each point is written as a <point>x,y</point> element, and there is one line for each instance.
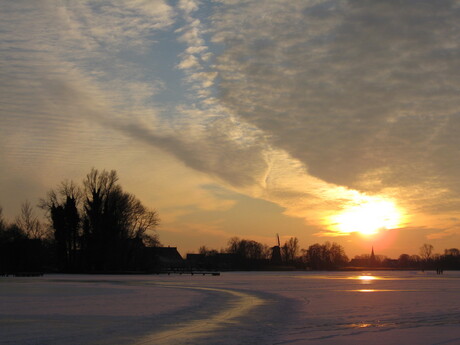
<point>234,308</point>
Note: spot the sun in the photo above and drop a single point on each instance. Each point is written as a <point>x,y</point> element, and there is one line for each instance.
<point>368,217</point>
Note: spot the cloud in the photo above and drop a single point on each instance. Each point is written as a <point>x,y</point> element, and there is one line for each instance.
<point>447,233</point>
<point>188,6</point>
<point>349,89</point>
<point>203,150</point>
<point>302,103</point>
<point>57,81</point>
<point>64,89</point>
<point>189,61</point>
<point>113,26</point>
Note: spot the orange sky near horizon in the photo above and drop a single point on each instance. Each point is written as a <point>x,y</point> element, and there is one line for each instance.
<point>321,120</point>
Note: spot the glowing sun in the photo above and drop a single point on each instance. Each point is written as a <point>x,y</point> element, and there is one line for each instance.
<point>368,218</point>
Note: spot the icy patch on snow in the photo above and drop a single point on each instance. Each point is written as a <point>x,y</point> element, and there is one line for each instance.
<point>235,308</point>
<point>198,328</point>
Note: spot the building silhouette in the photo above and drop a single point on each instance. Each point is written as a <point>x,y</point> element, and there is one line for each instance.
<point>276,253</point>
<point>372,259</point>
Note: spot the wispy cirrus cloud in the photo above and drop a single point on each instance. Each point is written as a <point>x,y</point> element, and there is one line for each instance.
<point>307,104</point>
<point>74,90</point>
<point>339,85</point>
<point>352,90</point>
<point>64,71</point>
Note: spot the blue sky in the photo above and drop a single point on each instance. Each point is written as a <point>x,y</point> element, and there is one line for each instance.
<point>242,118</point>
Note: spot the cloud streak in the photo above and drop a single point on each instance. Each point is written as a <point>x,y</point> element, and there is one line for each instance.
<point>361,88</point>
<point>307,104</point>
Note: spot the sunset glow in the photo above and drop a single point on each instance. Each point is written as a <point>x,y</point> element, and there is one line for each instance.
<point>321,120</point>
<point>368,218</point>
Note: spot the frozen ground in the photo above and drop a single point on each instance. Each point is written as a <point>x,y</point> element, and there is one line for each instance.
<point>234,308</point>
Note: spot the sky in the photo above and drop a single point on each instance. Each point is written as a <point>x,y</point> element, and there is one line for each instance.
<point>324,120</point>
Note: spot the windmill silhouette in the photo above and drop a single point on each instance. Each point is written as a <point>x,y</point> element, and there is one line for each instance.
<point>276,253</point>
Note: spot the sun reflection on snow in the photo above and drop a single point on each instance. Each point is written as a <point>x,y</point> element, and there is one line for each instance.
<point>367,324</point>
<point>365,278</point>
<point>361,325</point>
<point>380,290</point>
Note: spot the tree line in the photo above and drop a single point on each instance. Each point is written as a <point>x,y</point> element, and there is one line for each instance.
<point>96,226</point>
<point>249,254</point>
<point>426,259</point>
<point>92,226</point>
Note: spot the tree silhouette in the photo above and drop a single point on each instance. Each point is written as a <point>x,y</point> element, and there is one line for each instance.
<point>249,254</point>
<point>62,209</point>
<point>290,250</point>
<point>97,189</point>
<point>247,249</point>
<point>29,223</point>
<point>452,252</point>
<point>426,251</point>
<point>325,256</point>
<point>99,227</point>
<point>451,259</point>
<point>114,222</point>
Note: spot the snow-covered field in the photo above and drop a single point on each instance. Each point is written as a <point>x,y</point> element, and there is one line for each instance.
<point>234,308</point>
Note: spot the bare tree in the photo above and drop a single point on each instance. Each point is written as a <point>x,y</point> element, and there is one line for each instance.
<point>426,251</point>
<point>326,256</point>
<point>404,260</point>
<point>151,240</point>
<point>452,252</point>
<point>29,223</point>
<point>61,207</point>
<point>290,250</point>
<point>112,218</point>
<point>138,220</point>
<point>247,249</point>
<point>203,250</point>
<point>415,258</point>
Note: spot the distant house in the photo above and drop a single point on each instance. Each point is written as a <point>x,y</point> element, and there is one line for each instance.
<point>217,261</point>
<point>163,258</point>
<point>197,261</point>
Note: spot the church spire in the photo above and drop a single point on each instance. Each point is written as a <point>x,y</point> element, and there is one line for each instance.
<point>372,258</point>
